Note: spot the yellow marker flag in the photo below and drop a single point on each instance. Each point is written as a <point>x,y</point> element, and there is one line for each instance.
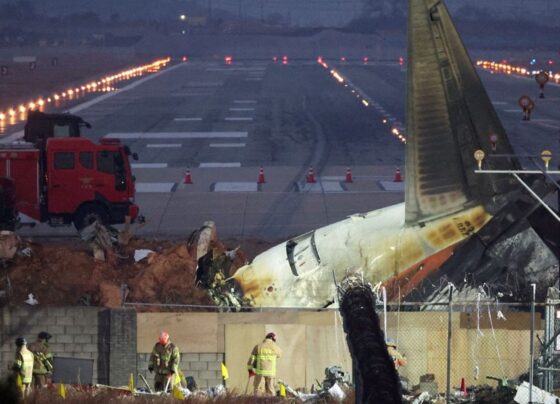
<point>62,390</point>
<point>282,390</point>
<point>131,382</point>
<point>178,394</point>
<point>225,373</point>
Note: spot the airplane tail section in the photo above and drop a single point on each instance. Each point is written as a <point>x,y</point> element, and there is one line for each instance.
<point>449,116</point>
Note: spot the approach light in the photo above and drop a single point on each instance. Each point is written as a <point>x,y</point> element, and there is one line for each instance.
<point>546,156</point>
<point>479,156</point>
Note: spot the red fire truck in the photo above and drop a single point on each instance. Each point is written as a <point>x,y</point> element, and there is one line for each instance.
<point>68,179</point>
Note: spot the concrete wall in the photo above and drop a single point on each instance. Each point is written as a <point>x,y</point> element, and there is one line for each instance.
<point>75,331</point>
<point>120,341</point>
<point>204,367</point>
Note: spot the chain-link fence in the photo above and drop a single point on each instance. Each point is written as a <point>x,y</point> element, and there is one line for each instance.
<point>489,342</point>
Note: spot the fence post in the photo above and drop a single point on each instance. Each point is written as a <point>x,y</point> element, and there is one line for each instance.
<point>531,347</point>
<point>449,331</point>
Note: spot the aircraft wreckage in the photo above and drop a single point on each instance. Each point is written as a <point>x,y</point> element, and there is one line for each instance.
<point>454,226</point>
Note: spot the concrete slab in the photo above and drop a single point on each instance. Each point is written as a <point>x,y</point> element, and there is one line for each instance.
<point>235,187</point>
<point>392,186</point>
<point>154,187</point>
<point>322,186</point>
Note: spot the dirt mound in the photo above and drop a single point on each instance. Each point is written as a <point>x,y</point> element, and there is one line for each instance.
<point>64,272</point>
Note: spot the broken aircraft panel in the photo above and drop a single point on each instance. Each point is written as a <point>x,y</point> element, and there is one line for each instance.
<point>448,210</point>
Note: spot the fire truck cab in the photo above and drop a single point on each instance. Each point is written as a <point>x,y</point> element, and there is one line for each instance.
<point>63,180</point>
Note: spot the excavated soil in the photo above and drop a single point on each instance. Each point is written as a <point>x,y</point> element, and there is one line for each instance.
<point>64,272</point>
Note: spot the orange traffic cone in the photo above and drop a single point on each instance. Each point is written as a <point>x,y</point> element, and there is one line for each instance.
<point>463,387</point>
<point>348,175</point>
<point>311,176</point>
<point>398,177</point>
<point>188,177</point>
<point>260,179</point>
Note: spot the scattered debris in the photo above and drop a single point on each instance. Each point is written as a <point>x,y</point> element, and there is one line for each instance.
<point>538,395</point>
<point>31,300</point>
<point>9,243</point>
<point>139,255</point>
<point>27,251</point>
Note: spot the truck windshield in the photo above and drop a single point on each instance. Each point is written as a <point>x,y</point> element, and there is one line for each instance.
<point>112,162</point>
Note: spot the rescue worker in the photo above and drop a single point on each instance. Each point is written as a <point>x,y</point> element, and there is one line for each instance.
<point>262,365</point>
<point>23,365</point>
<point>398,359</point>
<point>43,359</point>
<point>164,361</point>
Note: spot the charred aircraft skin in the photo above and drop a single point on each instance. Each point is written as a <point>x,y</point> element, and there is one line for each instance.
<point>446,204</point>
<point>303,270</point>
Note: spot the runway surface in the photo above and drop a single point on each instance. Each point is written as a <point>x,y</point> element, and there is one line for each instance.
<point>225,122</point>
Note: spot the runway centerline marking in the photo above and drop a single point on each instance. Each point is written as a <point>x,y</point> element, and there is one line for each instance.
<point>163,145</point>
<point>244,101</point>
<point>176,135</point>
<point>242,109</point>
<point>220,165</point>
<point>235,187</point>
<point>148,165</point>
<point>230,118</point>
<point>227,144</point>
<point>194,119</point>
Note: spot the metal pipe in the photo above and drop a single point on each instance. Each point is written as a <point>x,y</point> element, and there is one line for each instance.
<point>449,332</point>
<point>538,198</point>
<point>516,172</point>
<point>531,347</point>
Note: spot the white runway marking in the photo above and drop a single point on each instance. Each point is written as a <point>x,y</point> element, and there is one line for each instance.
<point>192,94</point>
<point>238,118</point>
<point>154,187</point>
<point>547,125</point>
<point>163,145</point>
<point>242,109</point>
<point>220,165</point>
<point>244,101</point>
<point>176,135</point>
<point>235,69</point>
<point>320,186</point>
<point>19,134</point>
<point>149,165</point>
<point>499,102</point>
<point>195,119</point>
<point>227,144</point>
<point>235,187</point>
<point>253,79</point>
<point>96,100</point>
<point>518,110</point>
<point>392,186</point>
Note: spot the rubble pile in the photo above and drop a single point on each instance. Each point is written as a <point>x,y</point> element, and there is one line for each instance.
<point>105,267</point>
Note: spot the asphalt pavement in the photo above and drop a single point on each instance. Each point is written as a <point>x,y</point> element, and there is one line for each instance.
<point>224,123</point>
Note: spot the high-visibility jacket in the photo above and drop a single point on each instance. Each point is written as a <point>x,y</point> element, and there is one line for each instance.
<point>263,358</point>
<point>23,364</point>
<point>43,358</point>
<point>165,358</point>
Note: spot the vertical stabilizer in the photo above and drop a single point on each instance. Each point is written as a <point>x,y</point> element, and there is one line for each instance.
<point>449,116</point>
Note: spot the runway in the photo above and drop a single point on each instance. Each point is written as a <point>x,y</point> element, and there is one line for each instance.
<point>225,122</point>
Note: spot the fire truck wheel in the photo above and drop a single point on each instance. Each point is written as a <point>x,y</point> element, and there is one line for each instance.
<point>88,214</point>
